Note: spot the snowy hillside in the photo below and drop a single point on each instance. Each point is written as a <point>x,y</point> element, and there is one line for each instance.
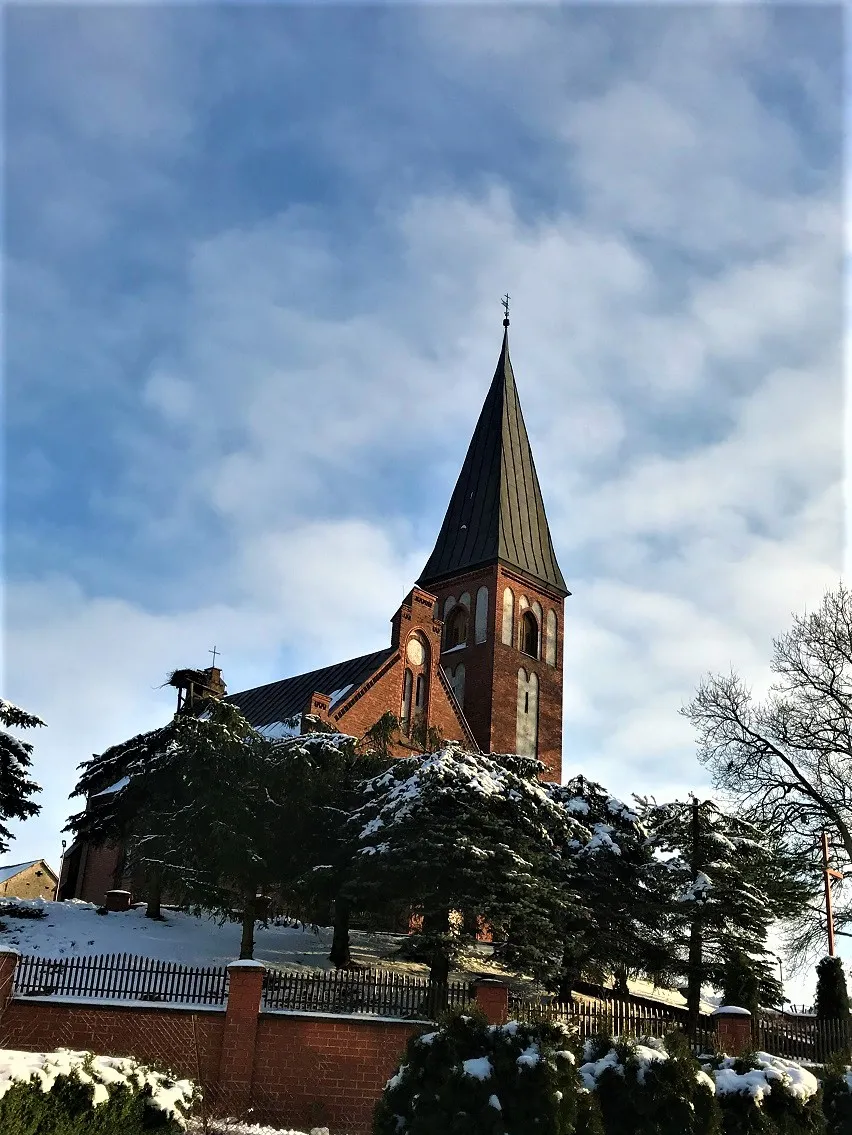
<point>75,928</point>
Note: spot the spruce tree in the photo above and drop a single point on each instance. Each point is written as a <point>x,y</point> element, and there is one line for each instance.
<point>832,995</point>
<point>728,882</point>
<point>610,866</point>
<point>740,982</point>
<point>16,788</point>
<point>456,831</point>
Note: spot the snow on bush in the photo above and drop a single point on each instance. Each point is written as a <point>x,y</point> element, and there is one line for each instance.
<point>761,1094</point>
<point>649,1084</point>
<point>102,1077</point>
<point>516,1078</point>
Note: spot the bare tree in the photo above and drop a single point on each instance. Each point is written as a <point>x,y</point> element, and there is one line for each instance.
<point>787,760</point>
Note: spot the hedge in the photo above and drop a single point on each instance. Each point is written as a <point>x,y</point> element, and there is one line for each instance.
<point>77,1093</point>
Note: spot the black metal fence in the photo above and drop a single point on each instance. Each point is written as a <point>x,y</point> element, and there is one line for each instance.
<point>380,993</point>
<point>798,1037</point>
<point>614,1017</point>
<point>121,977</point>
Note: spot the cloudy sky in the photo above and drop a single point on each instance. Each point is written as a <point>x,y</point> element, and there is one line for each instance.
<point>255,261</point>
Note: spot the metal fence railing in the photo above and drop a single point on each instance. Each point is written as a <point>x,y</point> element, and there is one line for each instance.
<point>121,977</point>
<point>383,993</point>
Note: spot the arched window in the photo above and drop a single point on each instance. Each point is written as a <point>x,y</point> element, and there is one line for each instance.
<point>449,603</point>
<point>550,639</point>
<point>529,634</point>
<point>508,616</point>
<point>526,733</point>
<point>455,628</point>
<point>464,600</point>
<point>405,716</point>
<point>480,628</point>
<point>420,693</point>
<point>457,682</point>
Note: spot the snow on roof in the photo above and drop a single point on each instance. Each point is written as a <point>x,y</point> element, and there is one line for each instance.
<point>119,784</point>
<point>14,869</point>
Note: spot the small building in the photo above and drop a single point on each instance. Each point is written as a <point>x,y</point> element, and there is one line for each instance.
<point>33,880</point>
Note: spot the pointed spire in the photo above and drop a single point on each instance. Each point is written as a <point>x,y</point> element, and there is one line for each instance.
<point>496,512</point>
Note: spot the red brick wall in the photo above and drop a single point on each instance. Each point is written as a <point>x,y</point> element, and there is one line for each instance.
<point>329,1072</point>
<point>161,1036</point>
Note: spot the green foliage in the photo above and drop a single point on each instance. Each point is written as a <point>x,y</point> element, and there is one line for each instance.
<point>759,1095</point>
<point>837,1097</point>
<point>741,983</point>
<point>67,1109</point>
<point>531,1086</point>
<point>381,735</point>
<point>832,995</point>
<point>649,1088</point>
<point>16,788</point>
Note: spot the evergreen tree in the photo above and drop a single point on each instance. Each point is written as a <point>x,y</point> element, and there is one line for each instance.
<point>456,831</point>
<point>740,982</point>
<point>16,788</point>
<point>832,995</point>
<point>729,881</point>
<point>320,781</point>
<point>610,866</point>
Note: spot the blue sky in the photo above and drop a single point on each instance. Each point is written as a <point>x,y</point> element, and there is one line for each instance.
<point>254,264</point>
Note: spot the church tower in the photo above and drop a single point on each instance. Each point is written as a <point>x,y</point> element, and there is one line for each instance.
<point>499,588</point>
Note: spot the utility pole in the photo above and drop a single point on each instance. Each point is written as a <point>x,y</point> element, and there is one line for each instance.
<point>828,874</point>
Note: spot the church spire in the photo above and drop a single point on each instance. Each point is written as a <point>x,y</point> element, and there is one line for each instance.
<point>496,512</point>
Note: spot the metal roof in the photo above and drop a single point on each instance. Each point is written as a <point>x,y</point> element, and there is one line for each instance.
<point>279,701</point>
<point>7,873</point>
<point>496,512</point>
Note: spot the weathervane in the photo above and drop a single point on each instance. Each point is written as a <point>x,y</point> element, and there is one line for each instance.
<point>214,652</point>
<point>505,302</point>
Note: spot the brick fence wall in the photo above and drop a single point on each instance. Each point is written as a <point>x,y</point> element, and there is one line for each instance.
<point>290,1069</point>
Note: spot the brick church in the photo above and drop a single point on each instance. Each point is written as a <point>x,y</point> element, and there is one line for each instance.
<point>475,648</point>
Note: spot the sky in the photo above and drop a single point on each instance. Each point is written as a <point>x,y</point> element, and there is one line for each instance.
<point>254,261</point>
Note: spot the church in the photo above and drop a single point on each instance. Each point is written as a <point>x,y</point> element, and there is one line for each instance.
<point>475,650</point>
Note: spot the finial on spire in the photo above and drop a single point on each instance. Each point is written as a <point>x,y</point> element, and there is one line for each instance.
<point>505,302</point>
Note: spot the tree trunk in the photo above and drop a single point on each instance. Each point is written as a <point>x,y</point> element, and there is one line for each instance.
<point>247,939</point>
<point>437,925</point>
<point>470,924</point>
<point>694,970</point>
<point>340,953</point>
<point>155,893</point>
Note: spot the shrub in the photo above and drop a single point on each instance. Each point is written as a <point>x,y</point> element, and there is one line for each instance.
<point>761,1094</point>
<point>479,1079</point>
<point>832,996</point>
<point>837,1097</point>
<point>77,1093</point>
<point>650,1086</point>
<point>12,909</point>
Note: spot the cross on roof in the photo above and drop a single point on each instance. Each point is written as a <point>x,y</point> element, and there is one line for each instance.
<point>214,652</point>
<point>505,302</point>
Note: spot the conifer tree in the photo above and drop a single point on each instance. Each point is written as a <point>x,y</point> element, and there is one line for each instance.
<point>832,995</point>
<point>740,983</point>
<point>610,866</point>
<point>729,882</point>
<point>16,788</point>
<point>455,831</point>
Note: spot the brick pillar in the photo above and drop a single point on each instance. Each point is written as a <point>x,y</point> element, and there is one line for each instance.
<point>238,1041</point>
<point>8,965</point>
<point>492,997</point>
<point>733,1030</point>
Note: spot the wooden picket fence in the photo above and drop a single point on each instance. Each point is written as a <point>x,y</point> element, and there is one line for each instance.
<point>121,977</point>
<point>382,993</point>
<point>799,1037</point>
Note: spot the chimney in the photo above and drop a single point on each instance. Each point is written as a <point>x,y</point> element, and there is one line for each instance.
<point>194,687</point>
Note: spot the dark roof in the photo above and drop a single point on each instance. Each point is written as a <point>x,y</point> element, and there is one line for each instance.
<point>496,511</point>
<point>279,701</point>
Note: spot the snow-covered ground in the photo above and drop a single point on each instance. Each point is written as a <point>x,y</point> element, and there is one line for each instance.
<point>74,928</point>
